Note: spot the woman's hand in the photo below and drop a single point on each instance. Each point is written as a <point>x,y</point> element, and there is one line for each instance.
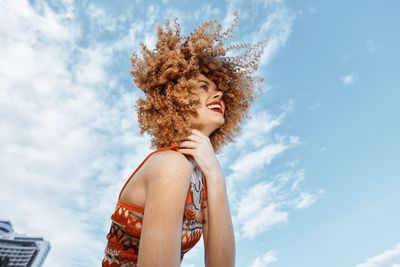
<point>199,147</point>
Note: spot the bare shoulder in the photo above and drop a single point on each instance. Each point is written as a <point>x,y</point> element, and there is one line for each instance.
<point>168,163</point>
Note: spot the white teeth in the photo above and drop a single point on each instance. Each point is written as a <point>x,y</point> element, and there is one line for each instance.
<point>214,106</point>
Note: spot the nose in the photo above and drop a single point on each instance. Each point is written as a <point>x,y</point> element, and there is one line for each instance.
<point>218,95</point>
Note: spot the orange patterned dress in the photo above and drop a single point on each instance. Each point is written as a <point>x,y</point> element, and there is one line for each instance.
<point>126,222</point>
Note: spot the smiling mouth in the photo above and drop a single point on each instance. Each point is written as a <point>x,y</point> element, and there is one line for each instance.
<point>216,107</point>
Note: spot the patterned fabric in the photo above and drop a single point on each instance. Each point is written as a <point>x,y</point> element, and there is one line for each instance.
<point>123,239</point>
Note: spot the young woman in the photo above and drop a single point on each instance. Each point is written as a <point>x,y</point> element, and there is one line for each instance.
<point>196,98</point>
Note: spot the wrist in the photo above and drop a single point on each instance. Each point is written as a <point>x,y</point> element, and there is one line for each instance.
<point>214,175</point>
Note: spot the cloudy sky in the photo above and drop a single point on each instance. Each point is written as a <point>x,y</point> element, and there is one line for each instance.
<point>313,179</point>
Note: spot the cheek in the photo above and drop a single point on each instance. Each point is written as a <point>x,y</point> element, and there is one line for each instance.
<point>199,115</point>
<point>196,115</point>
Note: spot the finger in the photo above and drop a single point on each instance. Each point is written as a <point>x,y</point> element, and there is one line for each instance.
<point>186,151</point>
<point>188,144</point>
<point>193,137</point>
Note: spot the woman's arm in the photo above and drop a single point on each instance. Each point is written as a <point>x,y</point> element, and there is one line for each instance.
<point>218,233</point>
<point>167,183</point>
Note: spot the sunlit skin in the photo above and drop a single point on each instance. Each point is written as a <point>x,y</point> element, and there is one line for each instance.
<point>207,120</point>
<point>162,228</point>
<point>218,233</point>
<point>204,122</point>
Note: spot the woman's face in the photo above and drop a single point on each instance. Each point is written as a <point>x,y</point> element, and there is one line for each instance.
<point>210,115</point>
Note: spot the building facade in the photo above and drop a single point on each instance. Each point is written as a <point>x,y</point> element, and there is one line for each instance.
<point>20,250</point>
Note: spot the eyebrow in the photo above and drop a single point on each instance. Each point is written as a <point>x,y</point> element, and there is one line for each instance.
<point>204,81</point>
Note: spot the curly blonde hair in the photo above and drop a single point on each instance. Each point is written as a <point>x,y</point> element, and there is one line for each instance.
<point>164,76</point>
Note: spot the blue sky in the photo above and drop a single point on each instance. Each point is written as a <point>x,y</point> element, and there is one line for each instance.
<point>313,179</point>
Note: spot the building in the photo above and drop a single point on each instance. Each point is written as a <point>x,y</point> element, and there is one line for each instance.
<point>20,250</point>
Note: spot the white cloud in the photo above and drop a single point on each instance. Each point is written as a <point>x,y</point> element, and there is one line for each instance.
<point>258,159</point>
<point>349,78</point>
<point>256,145</point>
<point>388,258</point>
<point>256,212</point>
<point>277,28</point>
<point>255,148</point>
<point>264,204</point>
<point>264,260</point>
<point>275,24</point>
<point>69,128</point>
<point>206,11</point>
<point>99,18</point>
<point>260,124</point>
<point>65,121</point>
<point>259,201</point>
<point>305,200</point>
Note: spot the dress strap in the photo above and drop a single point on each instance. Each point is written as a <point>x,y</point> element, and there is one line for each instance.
<point>140,165</point>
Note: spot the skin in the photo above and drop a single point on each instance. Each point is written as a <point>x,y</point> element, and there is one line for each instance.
<point>218,233</point>
<point>166,179</point>
<point>205,120</point>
